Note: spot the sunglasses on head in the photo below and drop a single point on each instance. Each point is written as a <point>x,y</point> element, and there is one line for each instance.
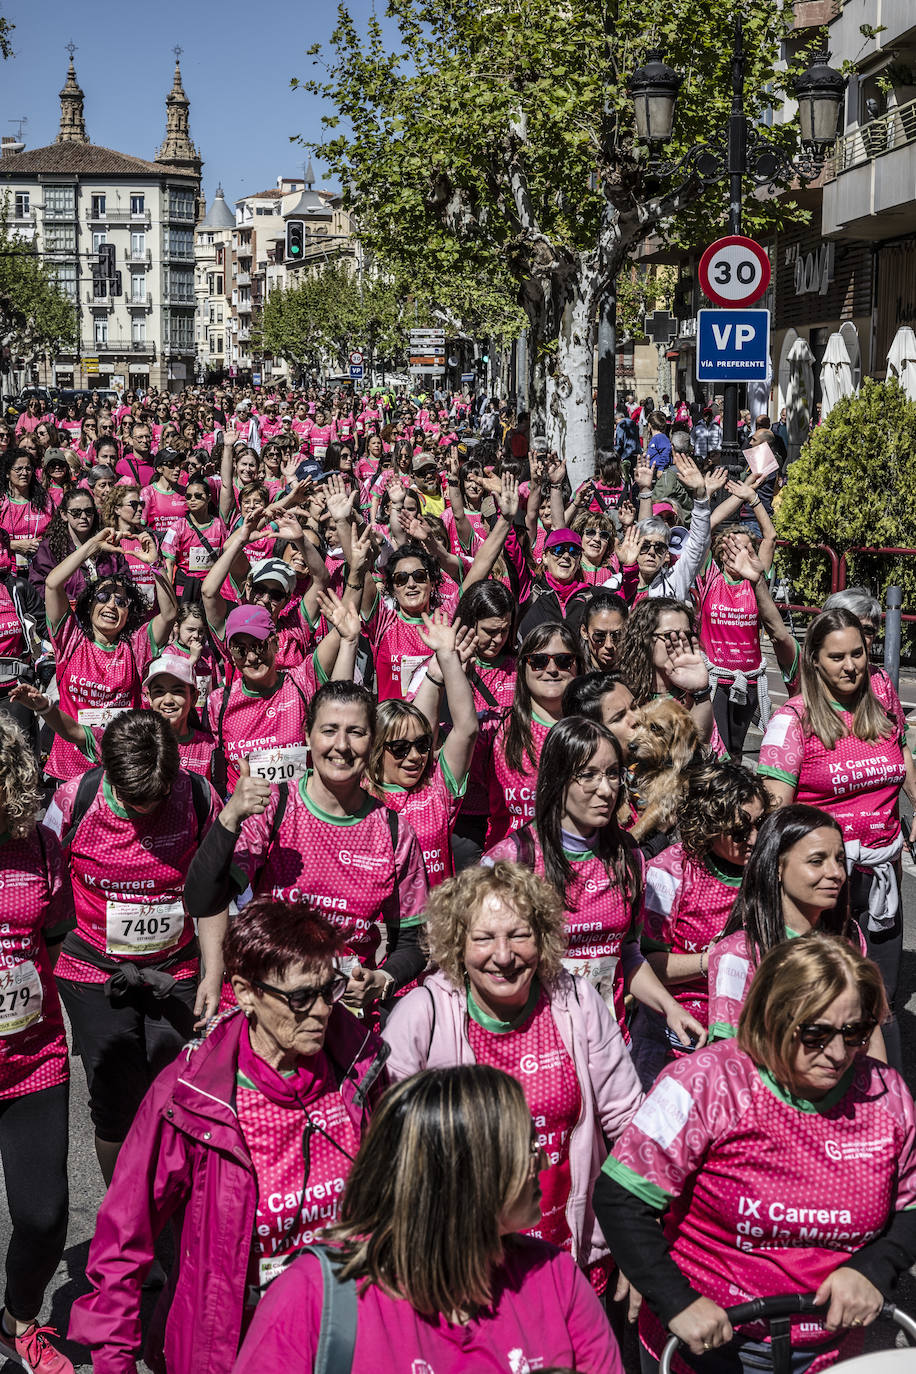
<point>559,549</point>
<point>418,575</point>
<point>400,748</point>
<point>103,596</point>
<point>564,662</point>
<point>855,1034</point>
<point>303,999</point>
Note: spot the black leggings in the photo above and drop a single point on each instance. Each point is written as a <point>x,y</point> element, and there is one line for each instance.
<point>33,1147</point>
<point>124,1044</point>
<point>733,718</point>
<point>885,948</point>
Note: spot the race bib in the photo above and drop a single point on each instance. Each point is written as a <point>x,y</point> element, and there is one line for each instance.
<point>602,966</point>
<point>319,450</point>
<point>409,665</point>
<point>99,716</point>
<point>199,559</point>
<point>204,684</point>
<point>142,927</point>
<point>20,997</point>
<point>281,764</point>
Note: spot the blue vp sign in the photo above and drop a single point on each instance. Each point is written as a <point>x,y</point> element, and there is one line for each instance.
<point>733,345</point>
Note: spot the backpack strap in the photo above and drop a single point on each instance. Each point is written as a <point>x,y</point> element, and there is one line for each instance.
<point>282,800</point>
<point>339,1317</point>
<point>86,793</point>
<point>392,818</point>
<point>480,686</point>
<point>200,795</point>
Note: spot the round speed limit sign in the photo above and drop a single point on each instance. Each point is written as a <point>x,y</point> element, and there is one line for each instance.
<point>734,271</point>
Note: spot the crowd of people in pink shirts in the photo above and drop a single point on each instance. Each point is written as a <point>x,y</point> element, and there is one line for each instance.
<point>374,826</point>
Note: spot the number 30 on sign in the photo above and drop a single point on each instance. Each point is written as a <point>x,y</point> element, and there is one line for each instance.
<point>734,271</point>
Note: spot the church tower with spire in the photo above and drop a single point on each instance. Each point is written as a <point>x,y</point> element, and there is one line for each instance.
<point>72,122</point>
<point>178,150</point>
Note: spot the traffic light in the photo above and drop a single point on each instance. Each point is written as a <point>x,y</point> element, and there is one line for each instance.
<point>295,240</point>
<point>106,260</point>
<point>115,286</point>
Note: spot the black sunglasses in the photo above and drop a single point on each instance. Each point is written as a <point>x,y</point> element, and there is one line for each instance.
<point>599,636</point>
<point>303,999</point>
<point>572,549</point>
<point>418,575</point>
<point>400,748</point>
<point>653,546</point>
<point>275,593</point>
<point>539,662</point>
<point>855,1034</point>
<point>102,598</point>
<point>596,534</point>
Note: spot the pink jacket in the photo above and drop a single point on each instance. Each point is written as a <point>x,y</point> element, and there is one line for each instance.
<point>185,1157</point>
<point>428,1030</point>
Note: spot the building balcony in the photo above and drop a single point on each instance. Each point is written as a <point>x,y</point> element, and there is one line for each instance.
<point>243,279</point>
<point>180,216</point>
<point>178,254</point>
<point>244,334</point>
<point>244,307</point>
<point>141,258</point>
<point>122,347</point>
<point>144,306</point>
<point>143,220</point>
<point>99,302</point>
<point>181,301</point>
<point>178,350</point>
<point>869,190</point>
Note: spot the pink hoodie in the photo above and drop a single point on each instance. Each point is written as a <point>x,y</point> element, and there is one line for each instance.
<point>428,1030</point>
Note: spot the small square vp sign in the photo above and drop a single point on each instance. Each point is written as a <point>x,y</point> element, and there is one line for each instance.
<point>733,345</point>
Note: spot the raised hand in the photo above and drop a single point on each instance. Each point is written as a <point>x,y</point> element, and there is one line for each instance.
<point>288,526</point>
<point>685,667</point>
<point>466,645</point>
<point>508,498</point>
<point>340,501</point>
<point>745,490</point>
<point>739,559</point>
<point>25,694</point>
<point>556,467</point>
<point>361,549</point>
<point>644,475</point>
<point>437,633</point>
<point>343,616</point>
<point>628,548</point>
<point>715,480</point>
<point>249,798</point>
<point>626,513</point>
<point>690,475</point>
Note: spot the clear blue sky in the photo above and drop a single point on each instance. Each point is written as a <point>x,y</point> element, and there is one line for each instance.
<point>236,67</point>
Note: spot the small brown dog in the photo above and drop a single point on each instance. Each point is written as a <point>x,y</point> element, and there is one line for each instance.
<point>663,747</point>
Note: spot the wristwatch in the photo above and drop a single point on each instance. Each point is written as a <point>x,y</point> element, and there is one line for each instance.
<point>702,695</point>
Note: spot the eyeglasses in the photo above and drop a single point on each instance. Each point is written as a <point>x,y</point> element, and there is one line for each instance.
<point>418,575</point>
<point>653,546</point>
<point>589,779</point>
<point>599,636</point>
<point>855,1034</point>
<point>242,651</point>
<point>102,598</point>
<point>303,999</point>
<point>400,748</point>
<point>596,534</point>
<point>78,512</point>
<point>132,505</point>
<point>540,662</point>
<point>559,549</point>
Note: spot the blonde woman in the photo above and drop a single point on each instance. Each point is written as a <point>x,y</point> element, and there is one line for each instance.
<point>35,910</point>
<point>837,746</point>
<point>446,1177</point>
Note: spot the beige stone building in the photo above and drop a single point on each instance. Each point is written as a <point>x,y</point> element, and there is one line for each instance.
<point>213,259</point>
<point>74,198</point>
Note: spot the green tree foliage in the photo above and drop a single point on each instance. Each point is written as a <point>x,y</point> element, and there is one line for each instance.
<point>35,315</point>
<point>6,46</point>
<point>854,486</point>
<point>495,144</point>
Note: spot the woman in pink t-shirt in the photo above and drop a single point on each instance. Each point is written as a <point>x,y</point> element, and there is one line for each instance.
<point>25,507</point>
<point>36,909</point>
<point>123,511</point>
<point>660,657</point>
<point>445,1179</point>
<point>840,747</point>
<point>782,1162</point>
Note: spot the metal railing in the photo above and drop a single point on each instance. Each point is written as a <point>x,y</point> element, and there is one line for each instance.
<point>142,220</point>
<point>143,258</point>
<point>124,346</point>
<point>895,129</point>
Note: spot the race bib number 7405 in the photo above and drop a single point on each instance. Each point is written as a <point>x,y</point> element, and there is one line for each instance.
<point>142,927</point>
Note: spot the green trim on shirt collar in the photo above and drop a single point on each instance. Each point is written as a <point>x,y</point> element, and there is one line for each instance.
<point>802,1104</point>
<point>269,692</point>
<point>766,771</point>
<point>493,1023</point>
<point>111,799</point>
<point>721,1030</point>
<point>320,814</point>
<point>541,720</point>
<point>634,1183</point>
<point>729,879</point>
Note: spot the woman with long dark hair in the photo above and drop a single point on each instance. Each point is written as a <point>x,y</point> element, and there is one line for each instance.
<point>576,843</point>
<point>839,747</point>
<point>549,659</point>
<point>25,507</point>
<point>75,521</point>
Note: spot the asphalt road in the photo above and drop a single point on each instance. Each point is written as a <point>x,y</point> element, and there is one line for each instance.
<point>86,1189</point>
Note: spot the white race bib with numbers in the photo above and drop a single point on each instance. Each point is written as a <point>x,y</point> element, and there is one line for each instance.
<point>199,559</point>
<point>99,716</point>
<point>282,764</point>
<point>20,997</point>
<point>142,927</point>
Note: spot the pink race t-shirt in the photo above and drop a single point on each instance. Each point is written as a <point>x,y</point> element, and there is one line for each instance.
<point>512,793</point>
<point>687,903</point>
<point>729,622</point>
<point>344,865</point>
<point>263,721</point>
<point>94,679</point>
<point>499,681</point>
<point>858,782</point>
<point>543,1313</point>
<point>535,1056</point>
<point>432,811</point>
<point>398,649</point>
<point>190,553</point>
<point>128,873</point>
<point>35,897</point>
<point>21,520</point>
<point>764,1193</point>
<point>165,510</point>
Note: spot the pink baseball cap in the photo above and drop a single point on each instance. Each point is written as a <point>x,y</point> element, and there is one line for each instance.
<point>562,537</point>
<point>249,620</point>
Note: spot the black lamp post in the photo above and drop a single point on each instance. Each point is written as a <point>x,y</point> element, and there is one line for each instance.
<point>738,151</point>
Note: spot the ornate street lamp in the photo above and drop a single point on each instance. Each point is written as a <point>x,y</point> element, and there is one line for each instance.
<point>654,88</point>
<point>819,92</point>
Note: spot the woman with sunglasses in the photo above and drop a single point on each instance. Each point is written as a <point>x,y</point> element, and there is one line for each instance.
<point>549,659</point>
<point>600,563</point>
<point>322,839</point>
<point>103,645</point>
<point>247,1141</point>
<point>198,541</point>
<point>782,1161</point>
<point>839,747</point>
<point>645,562</point>
<point>56,475</point>
<point>602,629</point>
<point>559,591</point>
<point>74,522</point>
<point>25,507</point>
<point>501,997</point>
<point>164,498</point>
<point>404,772</point>
<point>413,582</point>
<point>124,513</point>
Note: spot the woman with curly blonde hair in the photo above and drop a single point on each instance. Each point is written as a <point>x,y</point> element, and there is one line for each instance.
<point>35,911</point>
<point>501,997</point>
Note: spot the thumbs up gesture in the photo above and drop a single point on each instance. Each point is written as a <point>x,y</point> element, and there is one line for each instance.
<point>250,798</point>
